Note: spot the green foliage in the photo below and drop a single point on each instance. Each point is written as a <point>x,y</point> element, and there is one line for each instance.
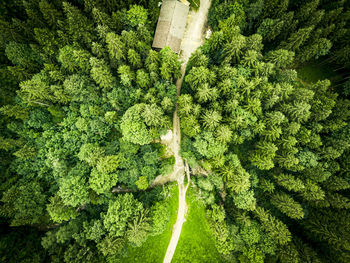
<point>146,252</point>
<point>245,200</point>
<point>137,15</point>
<point>15,111</point>
<point>116,47</point>
<point>236,178</point>
<point>280,57</point>
<point>169,65</point>
<point>160,217</point>
<point>279,153</point>
<point>78,67</point>
<point>22,245</point>
<point>206,144</point>
<point>74,190</point>
<point>102,182</point>
<point>142,183</point>
<point>269,29</point>
<point>138,230</point>
<point>24,204</point>
<point>84,100</point>
<point>90,153</point>
<point>22,55</point>
<point>222,10</point>
<point>108,164</point>
<point>290,182</point>
<point>274,227</point>
<point>287,205</point>
<point>211,119</point>
<point>101,73</point>
<point>120,212</point>
<point>133,126</point>
<point>59,212</point>
<point>216,218</point>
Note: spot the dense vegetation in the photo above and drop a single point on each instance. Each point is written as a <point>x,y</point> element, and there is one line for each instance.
<point>310,28</point>
<point>280,146</point>
<point>83,103</point>
<point>92,101</point>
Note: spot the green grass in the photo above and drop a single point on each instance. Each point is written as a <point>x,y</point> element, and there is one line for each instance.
<point>313,72</point>
<point>153,250</point>
<point>196,242</point>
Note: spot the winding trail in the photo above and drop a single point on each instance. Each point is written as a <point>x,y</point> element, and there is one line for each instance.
<point>193,38</point>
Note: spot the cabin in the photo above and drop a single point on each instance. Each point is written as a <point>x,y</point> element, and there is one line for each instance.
<point>171,25</point>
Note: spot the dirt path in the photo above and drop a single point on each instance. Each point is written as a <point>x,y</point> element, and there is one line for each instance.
<point>193,38</point>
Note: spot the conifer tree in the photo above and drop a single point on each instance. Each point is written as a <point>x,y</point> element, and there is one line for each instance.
<point>101,73</point>
<point>296,39</point>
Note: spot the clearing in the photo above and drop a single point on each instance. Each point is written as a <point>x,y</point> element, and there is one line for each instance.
<point>197,243</point>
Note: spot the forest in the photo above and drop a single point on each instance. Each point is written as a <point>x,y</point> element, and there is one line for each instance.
<point>264,110</point>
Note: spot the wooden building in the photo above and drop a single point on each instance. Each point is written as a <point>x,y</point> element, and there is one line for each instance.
<point>171,25</point>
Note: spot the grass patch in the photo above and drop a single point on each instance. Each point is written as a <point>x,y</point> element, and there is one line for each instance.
<point>153,250</point>
<point>196,242</point>
<point>194,4</point>
<point>313,72</point>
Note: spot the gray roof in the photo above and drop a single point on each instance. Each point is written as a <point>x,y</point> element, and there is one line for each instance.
<point>171,25</point>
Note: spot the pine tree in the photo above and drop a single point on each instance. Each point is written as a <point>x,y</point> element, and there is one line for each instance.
<point>281,57</point>
<point>274,227</point>
<point>223,133</point>
<point>137,15</point>
<point>100,73</point>
<point>51,14</point>
<point>211,119</point>
<point>251,58</point>
<point>152,115</point>
<point>190,126</point>
<point>78,26</point>
<point>199,76</point>
<point>126,75</point>
<point>66,58</point>
<point>234,49</point>
<point>116,47</point>
<point>101,18</point>
<point>205,93</point>
<point>269,29</point>
<point>289,25</point>
<point>287,205</point>
<point>16,111</point>
<point>37,91</point>
<point>198,59</point>
<point>134,58</point>
<point>288,253</point>
<point>306,11</point>
<point>289,182</point>
<point>295,41</point>
<point>319,48</point>
<point>8,144</point>
<point>298,111</point>
<point>143,79</point>
<point>236,178</point>
<point>24,56</point>
<point>170,66</point>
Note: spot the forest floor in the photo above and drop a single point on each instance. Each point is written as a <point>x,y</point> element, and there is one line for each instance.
<point>193,38</point>
<point>313,72</point>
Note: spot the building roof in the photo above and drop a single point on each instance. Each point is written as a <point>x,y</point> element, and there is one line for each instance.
<point>171,25</point>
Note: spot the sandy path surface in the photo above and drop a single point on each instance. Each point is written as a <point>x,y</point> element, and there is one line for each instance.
<point>193,38</point>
